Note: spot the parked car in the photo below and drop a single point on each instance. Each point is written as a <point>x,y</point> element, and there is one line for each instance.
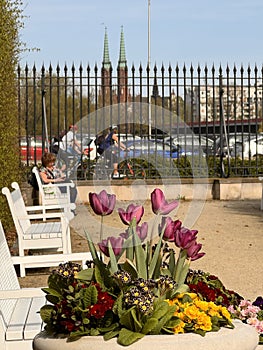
<point>144,147</point>
<point>191,144</point>
<point>236,143</point>
<point>252,147</point>
<point>31,149</point>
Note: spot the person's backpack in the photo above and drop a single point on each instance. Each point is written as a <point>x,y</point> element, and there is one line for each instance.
<point>99,140</point>
<point>100,143</point>
<point>32,180</point>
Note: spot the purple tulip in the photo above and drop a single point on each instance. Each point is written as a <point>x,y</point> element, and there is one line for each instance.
<point>170,227</point>
<point>184,237</point>
<point>103,203</point>
<point>116,243</point>
<point>193,251</point>
<point>258,302</point>
<point>125,234</point>
<point>160,205</point>
<point>133,211</point>
<point>142,231</point>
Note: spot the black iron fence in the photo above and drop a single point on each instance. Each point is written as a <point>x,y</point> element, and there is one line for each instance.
<point>200,122</point>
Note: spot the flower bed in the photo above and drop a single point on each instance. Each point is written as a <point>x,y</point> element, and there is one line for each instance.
<point>145,288</point>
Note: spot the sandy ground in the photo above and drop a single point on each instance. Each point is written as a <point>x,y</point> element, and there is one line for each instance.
<point>231,233</point>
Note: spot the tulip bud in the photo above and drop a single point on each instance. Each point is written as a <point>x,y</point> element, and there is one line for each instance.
<point>170,227</point>
<point>160,205</point>
<point>193,251</point>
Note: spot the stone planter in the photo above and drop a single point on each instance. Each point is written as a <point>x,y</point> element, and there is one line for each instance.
<point>242,337</point>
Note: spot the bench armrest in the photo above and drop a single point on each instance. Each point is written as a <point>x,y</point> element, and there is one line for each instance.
<point>21,293</point>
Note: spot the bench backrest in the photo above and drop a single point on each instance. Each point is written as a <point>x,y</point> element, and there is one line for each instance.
<point>17,207</point>
<point>8,277</point>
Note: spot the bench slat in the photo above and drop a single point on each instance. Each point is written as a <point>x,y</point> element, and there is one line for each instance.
<point>15,327</point>
<point>34,321</point>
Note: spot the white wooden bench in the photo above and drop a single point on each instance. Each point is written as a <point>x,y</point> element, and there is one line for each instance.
<point>50,194</point>
<point>261,205</point>
<point>19,317</point>
<point>42,236</point>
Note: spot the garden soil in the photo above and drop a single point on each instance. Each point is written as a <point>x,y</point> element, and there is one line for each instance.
<point>231,233</point>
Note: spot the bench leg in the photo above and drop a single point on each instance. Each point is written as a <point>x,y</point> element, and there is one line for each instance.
<point>22,270</point>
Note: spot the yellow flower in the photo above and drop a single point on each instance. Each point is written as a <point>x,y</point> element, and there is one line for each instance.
<point>179,328</point>
<point>203,322</point>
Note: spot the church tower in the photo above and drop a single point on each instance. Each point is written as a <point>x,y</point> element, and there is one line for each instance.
<point>122,72</point>
<point>106,74</point>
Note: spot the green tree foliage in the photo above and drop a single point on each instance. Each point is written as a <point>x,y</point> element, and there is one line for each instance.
<point>65,102</point>
<point>10,24</point>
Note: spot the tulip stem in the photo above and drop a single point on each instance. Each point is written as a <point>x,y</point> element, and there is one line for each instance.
<point>152,237</point>
<point>101,233</point>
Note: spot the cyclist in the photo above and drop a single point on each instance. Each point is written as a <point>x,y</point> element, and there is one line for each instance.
<point>106,146</point>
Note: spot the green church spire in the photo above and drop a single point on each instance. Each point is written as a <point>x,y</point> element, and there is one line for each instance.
<point>106,56</point>
<point>122,57</point>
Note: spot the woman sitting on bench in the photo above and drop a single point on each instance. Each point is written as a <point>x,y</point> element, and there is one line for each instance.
<point>50,174</point>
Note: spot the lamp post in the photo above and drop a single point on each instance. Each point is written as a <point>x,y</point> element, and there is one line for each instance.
<point>149,63</point>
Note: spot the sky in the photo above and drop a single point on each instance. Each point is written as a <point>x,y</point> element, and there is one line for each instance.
<point>181,32</point>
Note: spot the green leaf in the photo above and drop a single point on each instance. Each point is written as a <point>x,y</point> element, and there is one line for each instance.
<point>89,296</point>
<point>110,335</point>
<point>117,307</point>
<point>183,273</point>
<point>155,256</point>
<point>140,257</point>
<point>179,264</point>
<point>137,324</point>
<point>53,299</point>
<point>85,275</point>
<point>156,273</point>
<point>92,248</point>
<point>127,337</point>
<point>113,260</point>
<point>130,268</point>
<point>172,262</point>
<point>161,307</point>
<point>164,319</point>
<point>126,319</point>
<point>183,288</point>
<point>53,292</point>
<point>46,312</point>
<point>150,324</point>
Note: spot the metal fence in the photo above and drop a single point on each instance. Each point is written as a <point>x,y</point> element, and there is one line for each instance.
<point>209,119</point>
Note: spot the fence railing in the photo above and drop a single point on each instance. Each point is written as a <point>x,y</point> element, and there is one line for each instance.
<point>210,120</point>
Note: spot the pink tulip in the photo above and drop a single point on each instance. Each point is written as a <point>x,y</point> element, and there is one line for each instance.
<point>103,203</point>
<point>133,211</point>
<point>160,205</point>
<point>184,237</point>
<point>116,243</point>
<point>193,251</point>
<point>170,227</point>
